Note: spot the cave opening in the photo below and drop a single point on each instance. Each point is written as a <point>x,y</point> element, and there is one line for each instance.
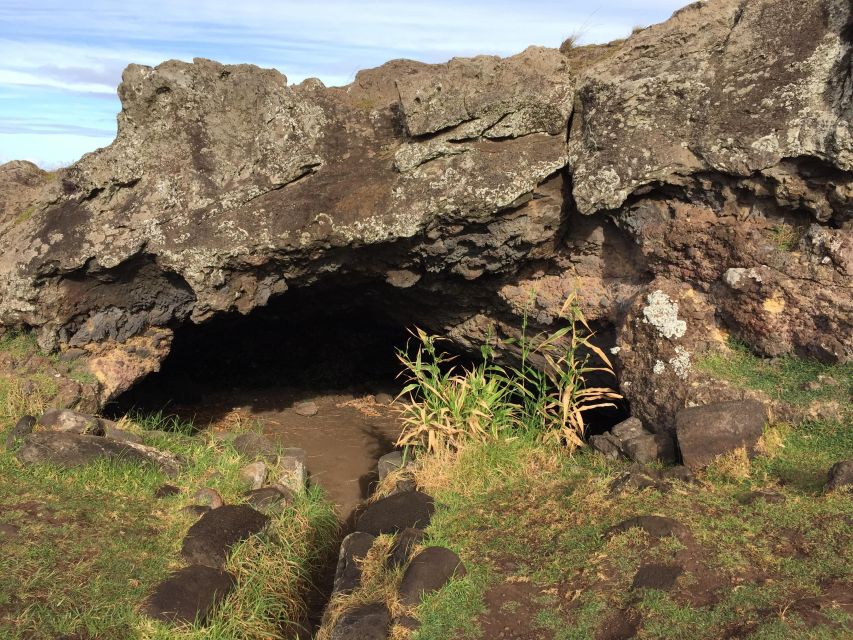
<point>315,369</point>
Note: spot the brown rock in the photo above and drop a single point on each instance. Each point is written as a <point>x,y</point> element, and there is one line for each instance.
<point>711,430</point>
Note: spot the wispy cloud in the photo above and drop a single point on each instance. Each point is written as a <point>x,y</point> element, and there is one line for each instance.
<point>72,53</point>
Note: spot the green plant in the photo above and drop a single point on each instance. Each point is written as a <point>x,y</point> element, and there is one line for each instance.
<point>554,393</point>
<point>450,404</point>
<point>546,393</point>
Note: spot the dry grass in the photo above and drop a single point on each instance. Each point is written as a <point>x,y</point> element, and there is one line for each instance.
<point>24,396</point>
<point>366,405</point>
<point>772,440</point>
<point>734,465</point>
<point>379,584</point>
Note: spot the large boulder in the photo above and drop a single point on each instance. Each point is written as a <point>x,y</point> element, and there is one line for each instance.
<point>71,450</point>
<point>715,429</point>
<point>707,159</point>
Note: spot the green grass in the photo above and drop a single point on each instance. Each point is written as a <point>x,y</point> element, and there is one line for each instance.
<point>793,380</point>
<point>520,504</point>
<point>93,542</point>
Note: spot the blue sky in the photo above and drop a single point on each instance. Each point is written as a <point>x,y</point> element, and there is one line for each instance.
<point>61,60</point>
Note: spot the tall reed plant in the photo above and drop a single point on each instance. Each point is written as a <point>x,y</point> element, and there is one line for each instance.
<point>546,392</point>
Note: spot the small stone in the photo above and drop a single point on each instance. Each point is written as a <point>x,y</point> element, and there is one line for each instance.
<point>657,576</point>
<point>412,509</point>
<point>627,429</point>
<point>307,409</point>
<point>189,594</point>
<point>22,427</point>
<point>166,490</point>
<point>254,475</point>
<point>428,572</point>
<point>210,497</point>
<point>607,445</point>
<point>291,471</point>
<point>650,447</point>
<point>389,463</point>
<point>253,445</point>
<point>209,540</point>
<point>840,476</point>
<point>271,498</point>
<point>348,571</point>
<point>367,622</point>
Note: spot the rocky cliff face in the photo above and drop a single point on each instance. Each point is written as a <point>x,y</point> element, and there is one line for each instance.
<point>691,182</point>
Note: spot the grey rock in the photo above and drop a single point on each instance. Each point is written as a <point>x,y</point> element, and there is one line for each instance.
<point>210,497</point>
<point>711,430</point>
<point>70,450</point>
<point>366,622</point>
<point>307,409</point>
<point>840,476</point>
<point>348,571</point>
<point>627,429</point>
<point>650,447</point>
<point>428,572</point>
<point>389,463</point>
<point>291,471</point>
<point>210,539</point>
<point>254,474</point>
<point>254,445</point>
<point>66,420</point>
<point>188,595</point>
<point>607,445</point>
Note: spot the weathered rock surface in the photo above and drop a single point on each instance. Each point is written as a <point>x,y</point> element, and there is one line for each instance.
<point>71,449</point>
<point>631,440</point>
<point>209,540</point>
<point>714,429</point>
<point>408,510</point>
<point>348,570</point>
<point>704,163</point>
<point>840,476</point>
<point>189,594</point>
<point>366,622</point>
<point>429,571</point>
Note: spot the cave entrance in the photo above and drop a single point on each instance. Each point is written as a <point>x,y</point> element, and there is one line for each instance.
<point>316,369</point>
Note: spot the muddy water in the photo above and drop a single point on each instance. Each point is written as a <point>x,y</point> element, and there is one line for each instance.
<point>343,441</point>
